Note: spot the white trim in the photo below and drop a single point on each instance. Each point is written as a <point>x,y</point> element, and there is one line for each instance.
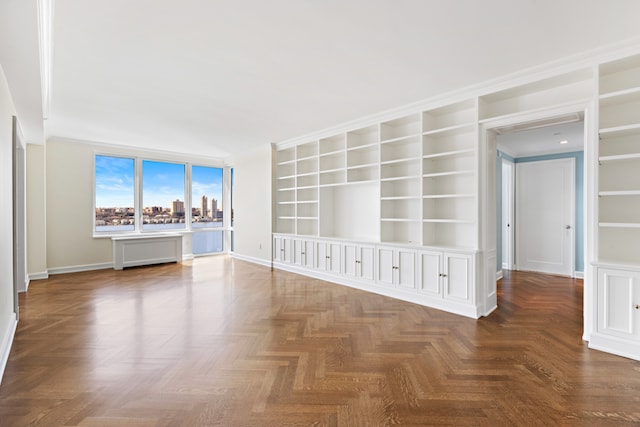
<point>499,275</point>
<point>259,261</point>
<point>615,345</point>
<point>25,286</point>
<point>187,257</point>
<point>79,268</point>
<point>578,274</point>
<point>7,341</point>
<point>39,276</point>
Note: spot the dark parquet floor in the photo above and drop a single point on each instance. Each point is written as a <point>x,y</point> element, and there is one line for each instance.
<point>222,342</point>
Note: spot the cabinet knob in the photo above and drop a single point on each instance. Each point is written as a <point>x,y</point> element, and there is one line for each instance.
<point>395,268</point>
<point>302,253</point>
<point>637,307</point>
<point>443,275</point>
<point>327,257</point>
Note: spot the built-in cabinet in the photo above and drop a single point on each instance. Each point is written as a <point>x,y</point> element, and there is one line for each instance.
<point>617,268</point>
<point>444,280</point>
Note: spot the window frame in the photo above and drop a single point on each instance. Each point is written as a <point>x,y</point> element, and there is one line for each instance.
<point>138,196</point>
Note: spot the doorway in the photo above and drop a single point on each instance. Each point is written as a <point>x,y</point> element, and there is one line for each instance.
<point>540,170</point>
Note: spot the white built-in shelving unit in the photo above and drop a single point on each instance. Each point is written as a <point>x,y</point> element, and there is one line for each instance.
<point>619,161</point>
<point>617,265</point>
<point>402,204</point>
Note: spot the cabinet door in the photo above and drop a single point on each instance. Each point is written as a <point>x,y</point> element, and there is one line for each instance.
<point>335,258</point>
<point>308,253</point>
<point>458,277</point>
<point>386,266</point>
<point>618,296</point>
<point>297,251</point>
<point>406,268</point>
<point>429,277</point>
<point>350,256</point>
<point>322,256</point>
<point>367,264</point>
<point>281,249</point>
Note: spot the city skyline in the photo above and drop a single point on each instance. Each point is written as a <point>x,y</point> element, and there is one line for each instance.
<point>162,183</point>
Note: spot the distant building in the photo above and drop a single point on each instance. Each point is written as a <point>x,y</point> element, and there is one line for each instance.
<point>214,207</point>
<point>177,208</point>
<point>204,212</point>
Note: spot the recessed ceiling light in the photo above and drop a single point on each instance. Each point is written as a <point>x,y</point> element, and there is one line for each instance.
<point>564,141</point>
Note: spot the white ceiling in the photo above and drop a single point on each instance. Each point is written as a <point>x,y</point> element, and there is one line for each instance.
<point>543,140</point>
<point>218,77</point>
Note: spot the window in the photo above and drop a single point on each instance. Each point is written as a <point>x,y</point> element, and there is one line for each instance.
<point>134,195</point>
<point>163,202</point>
<point>115,194</point>
<point>206,210</point>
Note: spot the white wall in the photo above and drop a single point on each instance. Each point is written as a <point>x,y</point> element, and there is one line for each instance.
<point>7,316</point>
<point>36,212</point>
<point>252,204</point>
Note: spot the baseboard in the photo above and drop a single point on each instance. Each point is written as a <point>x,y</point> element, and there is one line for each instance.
<point>260,261</point>
<point>7,341</point>
<point>578,274</point>
<point>187,257</point>
<point>498,274</point>
<point>39,276</point>
<point>79,268</point>
<point>25,287</point>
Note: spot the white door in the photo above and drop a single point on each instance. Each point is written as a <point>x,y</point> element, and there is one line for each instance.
<point>545,199</point>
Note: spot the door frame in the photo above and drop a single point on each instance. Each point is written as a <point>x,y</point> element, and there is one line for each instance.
<point>508,188</point>
<point>487,298</point>
<point>19,211</point>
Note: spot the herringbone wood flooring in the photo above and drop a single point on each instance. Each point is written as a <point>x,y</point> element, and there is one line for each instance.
<point>221,342</point>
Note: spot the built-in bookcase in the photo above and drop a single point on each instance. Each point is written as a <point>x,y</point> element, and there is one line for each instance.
<point>619,161</point>
<point>449,175</point>
<point>409,180</point>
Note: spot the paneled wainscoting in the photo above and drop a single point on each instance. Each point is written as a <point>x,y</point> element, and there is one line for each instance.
<point>218,341</point>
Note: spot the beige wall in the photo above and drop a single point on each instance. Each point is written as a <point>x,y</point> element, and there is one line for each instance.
<point>69,209</point>
<point>36,212</point>
<point>68,199</point>
<point>252,203</point>
<point>7,111</point>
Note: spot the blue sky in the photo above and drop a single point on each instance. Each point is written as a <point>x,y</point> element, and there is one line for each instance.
<point>114,182</point>
<point>163,183</point>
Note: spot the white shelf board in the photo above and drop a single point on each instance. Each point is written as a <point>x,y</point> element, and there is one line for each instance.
<point>620,130</point>
<point>307,217</point>
<point>449,153</point>
<point>332,153</point>
<point>285,162</point>
<point>286,177</point>
<point>619,224</point>
<point>619,193</point>
<point>302,202</point>
<point>287,189</point>
<point>451,129</point>
<point>396,161</point>
<point>400,138</point>
<point>620,96</point>
<point>449,221</point>
<point>365,166</point>
<point>619,157</point>
<point>399,220</point>
<point>400,178</point>
<point>449,173</point>
<point>363,146</point>
<point>400,198</point>
<point>328,171</point>
<point>448,196</point>
<point>286,203</point>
